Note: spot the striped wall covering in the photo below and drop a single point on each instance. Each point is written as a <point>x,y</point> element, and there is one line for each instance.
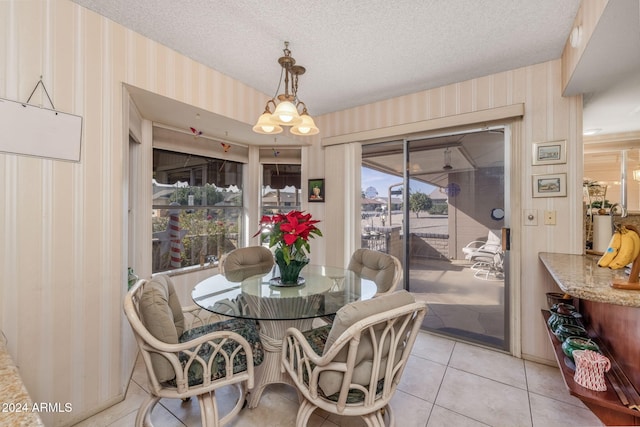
<point>62,225</point>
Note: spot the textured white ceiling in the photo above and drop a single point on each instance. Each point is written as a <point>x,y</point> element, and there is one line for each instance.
<point>355,52</point>
<point>358,51</point>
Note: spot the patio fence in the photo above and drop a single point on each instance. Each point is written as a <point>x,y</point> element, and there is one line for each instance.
<point>383,239</point>
<point>430,245</point>
<point>389,240</point>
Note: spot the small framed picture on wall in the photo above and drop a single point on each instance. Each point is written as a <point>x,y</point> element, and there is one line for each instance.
<point>316,190</point>
<point>550,185</point>
<point>549,153</point>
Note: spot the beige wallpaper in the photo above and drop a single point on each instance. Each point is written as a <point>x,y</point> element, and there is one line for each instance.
<point>62,224</point>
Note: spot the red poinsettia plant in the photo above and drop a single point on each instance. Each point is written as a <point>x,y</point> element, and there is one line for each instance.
<point>290,232</point>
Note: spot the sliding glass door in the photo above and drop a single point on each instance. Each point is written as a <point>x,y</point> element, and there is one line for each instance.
<point>439,205</point>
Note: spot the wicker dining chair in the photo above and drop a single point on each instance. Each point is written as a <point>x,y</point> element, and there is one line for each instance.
<point>187,352</point>
<point>353,366</point>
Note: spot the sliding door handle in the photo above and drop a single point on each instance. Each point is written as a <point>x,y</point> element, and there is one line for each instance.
<point>506,238</point>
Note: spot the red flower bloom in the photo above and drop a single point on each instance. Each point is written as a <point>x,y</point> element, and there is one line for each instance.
<point>290,232</point>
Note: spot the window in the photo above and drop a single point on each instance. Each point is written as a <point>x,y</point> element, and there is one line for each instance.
<point>197,209</point>
<point>281,188</point>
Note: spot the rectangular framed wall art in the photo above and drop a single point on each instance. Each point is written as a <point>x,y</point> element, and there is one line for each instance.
<point>550,185</point>
<point>316,190</point>
<point>549,153</point>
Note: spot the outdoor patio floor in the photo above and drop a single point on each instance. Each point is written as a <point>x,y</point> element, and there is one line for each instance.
<point>461,305</point>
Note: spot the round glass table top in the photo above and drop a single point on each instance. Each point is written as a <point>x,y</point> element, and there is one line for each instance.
<point>258,295</point>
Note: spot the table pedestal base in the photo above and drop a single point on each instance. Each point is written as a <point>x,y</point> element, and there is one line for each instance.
<point>269,371</point>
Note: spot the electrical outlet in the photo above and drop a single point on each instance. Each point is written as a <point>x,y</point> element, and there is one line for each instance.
<point>530,217</point>
<point>549,217</point>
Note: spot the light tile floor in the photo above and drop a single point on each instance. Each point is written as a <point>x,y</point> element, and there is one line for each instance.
<point>446,383</point>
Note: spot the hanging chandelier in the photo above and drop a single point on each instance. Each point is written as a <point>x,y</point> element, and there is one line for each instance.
<point>287,104</point>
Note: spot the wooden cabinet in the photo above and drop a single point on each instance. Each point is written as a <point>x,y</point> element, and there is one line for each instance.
<point>612,318</point>
<point>606,405</point>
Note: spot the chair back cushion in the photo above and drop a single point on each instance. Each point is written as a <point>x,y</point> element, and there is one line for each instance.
<point>161,314</point>
<point>330,381</point>
<point>374,265</point>
<point>246,262</point>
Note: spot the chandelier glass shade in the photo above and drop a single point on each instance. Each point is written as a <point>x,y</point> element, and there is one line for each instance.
<point>286,114</point>
<point>265,125</point>
<point>306,125</point>
<point>286,105</point>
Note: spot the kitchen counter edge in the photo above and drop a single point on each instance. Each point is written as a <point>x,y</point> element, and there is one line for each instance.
<point>580,277</point>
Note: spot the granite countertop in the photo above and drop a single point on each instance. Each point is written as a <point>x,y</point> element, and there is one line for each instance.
<point>580,277</point>
<point>16,406</point>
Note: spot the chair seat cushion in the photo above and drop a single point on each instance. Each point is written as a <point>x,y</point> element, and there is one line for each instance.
<point>248,329</point>
<point>317,338</point>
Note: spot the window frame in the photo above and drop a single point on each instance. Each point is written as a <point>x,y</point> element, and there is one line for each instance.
<point>213,217</point>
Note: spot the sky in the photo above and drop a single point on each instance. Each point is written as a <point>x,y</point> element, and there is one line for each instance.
<point>381,182</point>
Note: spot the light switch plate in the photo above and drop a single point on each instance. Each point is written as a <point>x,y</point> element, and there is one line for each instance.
<point>530,217</point>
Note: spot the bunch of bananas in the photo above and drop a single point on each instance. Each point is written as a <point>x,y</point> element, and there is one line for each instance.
<point>623,249</point>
